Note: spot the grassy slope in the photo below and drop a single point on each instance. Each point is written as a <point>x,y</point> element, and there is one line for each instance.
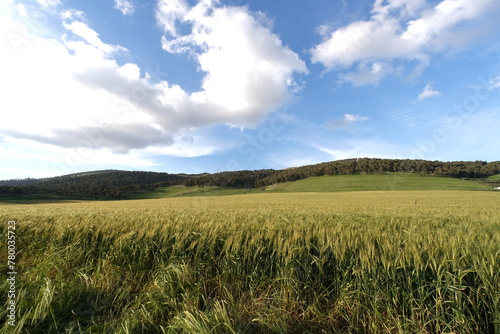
<point>386,182</point>
<point>168,192</point>
<point>339,183</point>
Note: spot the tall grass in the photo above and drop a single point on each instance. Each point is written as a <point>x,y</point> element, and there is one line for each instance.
<point>406,262</point>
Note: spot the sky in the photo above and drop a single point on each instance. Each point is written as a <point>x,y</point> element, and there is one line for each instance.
<point>193,86</point>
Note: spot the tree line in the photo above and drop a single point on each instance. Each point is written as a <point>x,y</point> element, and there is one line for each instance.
<point>109,184</point>
<point>114,184</point>
<point>456,169</point>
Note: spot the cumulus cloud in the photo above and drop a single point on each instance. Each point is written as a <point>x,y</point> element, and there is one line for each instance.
<point>75,83</point>
<point>346,121</point>
<point>248,71</point>
<point>125,6</point>
<point>398,30</point>
<point>119,139</point>
<point>428,92</point>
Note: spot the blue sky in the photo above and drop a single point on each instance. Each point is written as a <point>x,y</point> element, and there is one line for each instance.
<point>204,86</point>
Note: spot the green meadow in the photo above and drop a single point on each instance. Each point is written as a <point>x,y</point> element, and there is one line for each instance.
<point>181,191</point>
<point>265,262</point>
<point>338,183</point>
<point>378,182</point>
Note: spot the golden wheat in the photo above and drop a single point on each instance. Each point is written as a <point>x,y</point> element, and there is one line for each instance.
<point>374,262</point>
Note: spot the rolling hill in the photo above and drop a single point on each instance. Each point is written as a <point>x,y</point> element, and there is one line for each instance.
<point>363,174</point>
<point>337,183</point>
<point>377,182</point>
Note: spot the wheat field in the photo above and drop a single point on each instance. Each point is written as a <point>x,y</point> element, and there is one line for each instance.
<point>360,262</point>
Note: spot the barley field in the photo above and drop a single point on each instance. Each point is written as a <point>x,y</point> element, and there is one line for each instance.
<point>354,262</point>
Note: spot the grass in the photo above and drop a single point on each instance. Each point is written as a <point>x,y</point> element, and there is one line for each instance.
<point>377,182</point>
<point>178,191</point>
<point>351,262</point>
<point>339,183</point>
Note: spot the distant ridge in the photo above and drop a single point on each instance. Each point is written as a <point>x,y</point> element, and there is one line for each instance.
<point>103,171</point>
<point>112,184</point>
<point>18,182</point>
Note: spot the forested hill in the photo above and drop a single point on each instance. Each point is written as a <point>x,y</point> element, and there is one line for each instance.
<point>261,178</point>
<point>112,184</point>
<point>456,169</point>
<point>95,184</point>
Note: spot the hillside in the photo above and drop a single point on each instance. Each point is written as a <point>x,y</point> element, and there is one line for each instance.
<point>383,174</point>
<point>494,177</point>
<point>91,185</point>
<point>338,183</point>
<point>377,182</point>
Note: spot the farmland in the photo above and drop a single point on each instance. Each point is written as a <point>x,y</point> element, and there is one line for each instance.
<point>337,183</point>
<point>350,262</point>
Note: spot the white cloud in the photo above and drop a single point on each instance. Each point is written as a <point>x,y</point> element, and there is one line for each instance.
<point>125,6</point>
<point>49,3</point>
<point>50,102</point>
<point>346,121</point>
<point>189,146</point>
<point>495,82</point>
<point>369,148</point>
<point>428,92</point>
<point>399,29</point>
<point>68,92</point>
<point>169,12</point>
<point>249,72</point>
<point>72,14</point>
<point>354,118</point>
<point>404,8</point>
<point>21,10</point>
<point>367,74</point>
<point>90,36</point>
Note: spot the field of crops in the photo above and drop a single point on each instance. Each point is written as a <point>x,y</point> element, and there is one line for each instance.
<point>352,262</point>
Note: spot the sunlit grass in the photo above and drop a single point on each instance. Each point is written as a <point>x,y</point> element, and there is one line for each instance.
<point>367,262</point>
<point>378,182</point>
<point>338,183</point>
<point>180,191</point>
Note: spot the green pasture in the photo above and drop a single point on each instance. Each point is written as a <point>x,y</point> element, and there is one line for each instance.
<point>338,183</point>
<point>378,182</point>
